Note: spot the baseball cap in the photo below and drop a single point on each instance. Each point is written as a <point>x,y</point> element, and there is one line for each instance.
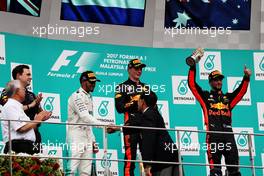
<point>136,63</point>
<point>88,76</point>
<point>215,74</point>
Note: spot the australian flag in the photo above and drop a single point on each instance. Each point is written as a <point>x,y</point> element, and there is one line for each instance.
<point>26,7</point>
<point>234,14</point>
<point>118,12</point>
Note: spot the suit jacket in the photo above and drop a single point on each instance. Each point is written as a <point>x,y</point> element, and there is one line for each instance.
<point>154,144</point>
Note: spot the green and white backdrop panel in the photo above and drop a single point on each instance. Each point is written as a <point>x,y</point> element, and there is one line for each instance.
<point>56,67</point>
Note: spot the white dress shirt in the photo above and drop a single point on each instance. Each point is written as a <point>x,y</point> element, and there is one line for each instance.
<point>13,110</point>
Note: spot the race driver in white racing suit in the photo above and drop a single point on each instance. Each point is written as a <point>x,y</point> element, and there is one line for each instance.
<point>80,138</point>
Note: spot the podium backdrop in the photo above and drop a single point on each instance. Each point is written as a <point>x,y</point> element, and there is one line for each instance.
<point>56,67</point>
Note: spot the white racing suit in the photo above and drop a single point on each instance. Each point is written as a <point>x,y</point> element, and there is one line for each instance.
<point>80,138</point>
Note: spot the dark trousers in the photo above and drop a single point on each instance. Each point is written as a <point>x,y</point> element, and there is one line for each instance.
<point>130,140</point>
<point>168,171</point>
<point>21,146</point>
<point>229,151</point>
<point>38,144</point>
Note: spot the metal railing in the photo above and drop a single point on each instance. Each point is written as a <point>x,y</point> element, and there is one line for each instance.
<point>105,146</point>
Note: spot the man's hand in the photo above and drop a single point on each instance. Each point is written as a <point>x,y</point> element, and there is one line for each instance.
<point>43,116</point>
<point>38,98</point>
<point>147,171</point>
<point>133,100</point>
<point>36,102</point>
<point>247,71</point>
<point>112,129</point>
<point>127,105</point>
<point>198,53</point>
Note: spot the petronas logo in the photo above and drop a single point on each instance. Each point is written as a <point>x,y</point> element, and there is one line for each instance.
<point>106,163</point>
<point>102,110</point>
<point>182,88</point>
<point>236,85</point>
<point>209,62</point>
<point>186,138</point>
<point>52,152</point>
<point>261,64</point>
<point>242,139</point>
<point>48,105</point>
<point>160,108</point>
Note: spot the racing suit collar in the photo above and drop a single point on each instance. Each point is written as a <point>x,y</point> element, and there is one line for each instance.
<point>82,90</point>
<point>216,92</point>
<point>132,82</point>
<point>145,110</point>
<point>26,88</point>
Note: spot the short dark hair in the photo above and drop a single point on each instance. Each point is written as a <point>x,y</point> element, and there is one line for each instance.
<point>150,99</point>
<point>19,70</point>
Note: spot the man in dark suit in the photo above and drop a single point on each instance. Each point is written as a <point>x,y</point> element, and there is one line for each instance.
<point>154,142</point>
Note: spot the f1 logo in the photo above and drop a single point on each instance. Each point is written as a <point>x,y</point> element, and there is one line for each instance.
<point>62,60</point>
<point>81,63</point>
